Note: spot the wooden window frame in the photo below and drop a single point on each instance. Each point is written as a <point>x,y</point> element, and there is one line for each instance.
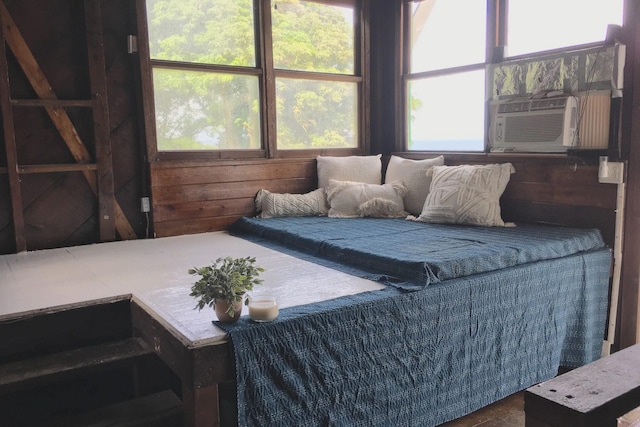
<point>495,36</point>
<point>266,75</point>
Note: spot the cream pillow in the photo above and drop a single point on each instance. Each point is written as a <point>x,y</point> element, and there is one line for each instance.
<point>413,174</point>
<point>356,199</point>
<point>273,205</point>
<point>351,168</point>
<point>467,194</point>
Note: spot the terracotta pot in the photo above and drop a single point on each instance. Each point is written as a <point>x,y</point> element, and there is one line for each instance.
<point>221,307</point>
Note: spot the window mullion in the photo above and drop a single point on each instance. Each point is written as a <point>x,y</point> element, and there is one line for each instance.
<point>267,82</point>
<point>146,81</point>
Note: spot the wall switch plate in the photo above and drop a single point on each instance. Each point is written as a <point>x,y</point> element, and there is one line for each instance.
<point>614,173</point>
<point>145,206</point>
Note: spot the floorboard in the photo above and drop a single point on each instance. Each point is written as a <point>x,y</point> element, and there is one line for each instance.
<point>508,412</point>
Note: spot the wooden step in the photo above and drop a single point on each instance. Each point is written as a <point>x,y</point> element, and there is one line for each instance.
<point>162,409</point>
<point>53,367</point>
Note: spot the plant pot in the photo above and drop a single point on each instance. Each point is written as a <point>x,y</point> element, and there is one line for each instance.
<point>221,307</point>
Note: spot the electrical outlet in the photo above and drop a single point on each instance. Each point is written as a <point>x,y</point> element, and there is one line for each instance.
<point>144,204</point>
<point>614,173</point>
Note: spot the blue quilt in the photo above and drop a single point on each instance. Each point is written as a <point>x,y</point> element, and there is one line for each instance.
<point>407,254</point>
<point>422,358</point>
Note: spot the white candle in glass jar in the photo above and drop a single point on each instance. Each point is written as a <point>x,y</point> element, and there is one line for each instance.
<point>263,308</point>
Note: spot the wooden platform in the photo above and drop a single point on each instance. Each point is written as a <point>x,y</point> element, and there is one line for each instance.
<point>145,286</point>
<point>594,395</point>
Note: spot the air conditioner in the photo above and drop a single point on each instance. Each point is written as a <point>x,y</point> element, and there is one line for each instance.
<point>547,125</point>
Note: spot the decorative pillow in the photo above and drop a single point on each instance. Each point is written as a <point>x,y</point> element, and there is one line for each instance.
<point>413,174</point>
<point>467,194</point>
<point>366,169</point>
<point>349,199</point>
<point>273,205</point>
<point>380,208</point>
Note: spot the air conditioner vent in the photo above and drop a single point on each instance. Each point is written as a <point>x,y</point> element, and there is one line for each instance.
<point>544,128</point>
<point>534,125</point>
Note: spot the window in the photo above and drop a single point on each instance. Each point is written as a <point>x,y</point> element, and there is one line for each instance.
<point>552,24</point>
<point>446,75</point>
<point>220,84</point>
<point>316,107</point>
<point>449,44</point>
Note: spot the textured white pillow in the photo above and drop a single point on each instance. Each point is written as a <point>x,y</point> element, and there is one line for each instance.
<point>355,199</point>
<point>273,205</point>
<point>467,194</point>
<point>413,174</point>
<point>351,168</point>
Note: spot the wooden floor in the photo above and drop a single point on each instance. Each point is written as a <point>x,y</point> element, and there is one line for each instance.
<point>508,412</point>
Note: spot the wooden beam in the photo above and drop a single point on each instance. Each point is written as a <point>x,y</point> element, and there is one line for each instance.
<point>11,150</point>
<point>58,115</point>
<point>87,103</point>
<point>201,406</point>
<point>74,167</point>
<point>104,157</point>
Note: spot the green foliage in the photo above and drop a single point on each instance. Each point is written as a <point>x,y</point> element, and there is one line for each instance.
<point>226,279</point>
<point>217,110</point>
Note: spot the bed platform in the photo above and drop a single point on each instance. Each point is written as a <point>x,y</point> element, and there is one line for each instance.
<point>356,343</point>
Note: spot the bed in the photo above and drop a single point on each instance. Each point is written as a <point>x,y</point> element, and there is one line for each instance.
<point>431,305</point>
<point>468,315</point>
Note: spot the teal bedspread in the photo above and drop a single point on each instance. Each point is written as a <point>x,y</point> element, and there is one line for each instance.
<point>423,357</point>
<point>414,254</point>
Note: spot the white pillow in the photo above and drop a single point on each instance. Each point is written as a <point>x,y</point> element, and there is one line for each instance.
<point>351,168</point>
<point>467,194</point>
<point>355,199</point>
<point>273,205</point>
<point>413,174</point>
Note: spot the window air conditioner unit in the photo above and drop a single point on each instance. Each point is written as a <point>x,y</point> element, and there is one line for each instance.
<point>545,125</point>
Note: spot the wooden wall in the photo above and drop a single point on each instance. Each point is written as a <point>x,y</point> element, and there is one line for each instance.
<point>58,206</point>
<point>194,197</point>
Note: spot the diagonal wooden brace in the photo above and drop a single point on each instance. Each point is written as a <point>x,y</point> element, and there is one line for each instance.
<point>58,115</point>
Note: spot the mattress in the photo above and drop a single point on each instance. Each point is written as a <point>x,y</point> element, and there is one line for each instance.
<point>411,254</point>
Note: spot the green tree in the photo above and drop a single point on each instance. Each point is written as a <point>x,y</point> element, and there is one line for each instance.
<point>212,110</point>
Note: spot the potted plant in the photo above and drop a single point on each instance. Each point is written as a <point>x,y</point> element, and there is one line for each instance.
<point>223,285</point>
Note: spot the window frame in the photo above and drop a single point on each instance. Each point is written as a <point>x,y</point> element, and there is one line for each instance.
<point>495,37</point>
<point>267,76</point>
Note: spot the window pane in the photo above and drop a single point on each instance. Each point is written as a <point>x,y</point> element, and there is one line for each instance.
<point>309,36</point>
<point>202,31</point>
<point>447,33</point>
<point>316,114</point>
<point>447,113</point>
<point>550,24</point>
<point>206,111</point>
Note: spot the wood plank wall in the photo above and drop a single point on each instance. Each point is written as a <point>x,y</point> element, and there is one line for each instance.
<point>209,196</point>
<point>195,197</point>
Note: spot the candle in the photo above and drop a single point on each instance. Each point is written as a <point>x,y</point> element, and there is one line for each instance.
<point>263,309</point>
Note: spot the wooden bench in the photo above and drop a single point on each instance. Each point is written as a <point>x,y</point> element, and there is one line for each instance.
<point>592,395</point>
